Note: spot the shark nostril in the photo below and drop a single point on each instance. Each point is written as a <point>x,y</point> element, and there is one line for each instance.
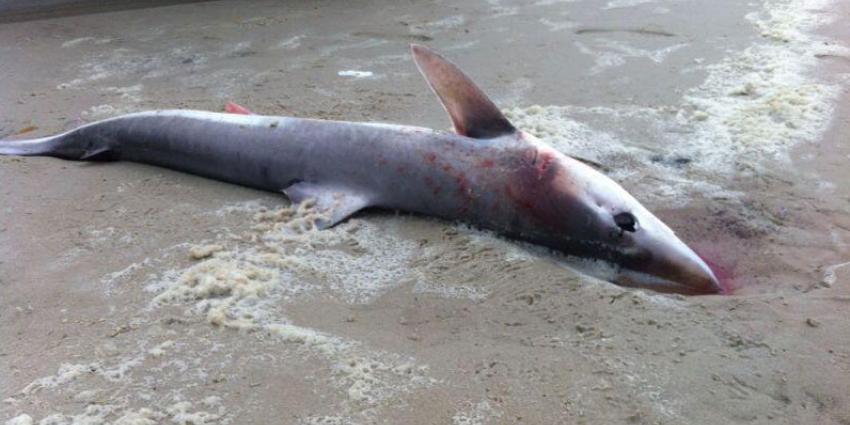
<point>625,221</point>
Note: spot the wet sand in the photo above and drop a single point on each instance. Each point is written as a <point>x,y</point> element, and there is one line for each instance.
<point>131,294</point>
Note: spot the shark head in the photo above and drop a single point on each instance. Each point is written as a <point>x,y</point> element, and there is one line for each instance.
<point>586,213</point>
<point>567,205</point>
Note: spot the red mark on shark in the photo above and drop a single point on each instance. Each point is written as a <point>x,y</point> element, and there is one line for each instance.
<point>530,188</point>
<point>487,163</point>
<point>544,161</point>
<point>463,186</point>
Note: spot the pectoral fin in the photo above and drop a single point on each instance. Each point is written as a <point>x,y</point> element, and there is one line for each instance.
<point>334,203</point>
<point>98,154</point>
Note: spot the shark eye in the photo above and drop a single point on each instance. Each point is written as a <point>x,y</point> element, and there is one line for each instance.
<point>625,221</point>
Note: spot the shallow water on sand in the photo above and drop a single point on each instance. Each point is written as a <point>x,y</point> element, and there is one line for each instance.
<point>137,295</point>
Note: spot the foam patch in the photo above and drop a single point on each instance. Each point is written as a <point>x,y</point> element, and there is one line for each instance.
<point>752,108</point>
<point>287,258</point>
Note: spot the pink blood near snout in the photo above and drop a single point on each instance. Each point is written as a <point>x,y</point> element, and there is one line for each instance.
<point>722,270</point>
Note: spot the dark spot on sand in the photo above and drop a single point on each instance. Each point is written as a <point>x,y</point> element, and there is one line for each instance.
<point>639,31</point>
<point>832,56</point>
<point>390,36</point>
<point>242,54</point>
<point>675,161</point>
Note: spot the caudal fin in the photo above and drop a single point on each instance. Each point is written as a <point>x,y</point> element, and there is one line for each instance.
<point>30,147</point>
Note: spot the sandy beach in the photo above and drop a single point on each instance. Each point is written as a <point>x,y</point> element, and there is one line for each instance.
<point>136,295</point>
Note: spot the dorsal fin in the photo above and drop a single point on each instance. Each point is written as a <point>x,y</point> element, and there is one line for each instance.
<point>472,112</point>
<point>235,108</point>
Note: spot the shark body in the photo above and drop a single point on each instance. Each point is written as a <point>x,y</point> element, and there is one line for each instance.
<point>487,173</point>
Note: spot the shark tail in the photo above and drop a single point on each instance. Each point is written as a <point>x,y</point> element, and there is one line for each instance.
<point>45,146</point>
<point>66,146</point>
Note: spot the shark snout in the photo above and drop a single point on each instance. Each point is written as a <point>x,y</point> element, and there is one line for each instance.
<point>695,275</point>
<point>674,261</point>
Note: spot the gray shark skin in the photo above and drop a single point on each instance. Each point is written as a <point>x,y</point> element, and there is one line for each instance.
<point>487,174</point>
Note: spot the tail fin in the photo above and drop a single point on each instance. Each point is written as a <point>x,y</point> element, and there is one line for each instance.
<point>30,147</point>
<point>66,146</point>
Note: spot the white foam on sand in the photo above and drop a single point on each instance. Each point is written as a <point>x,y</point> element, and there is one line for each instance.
<point>477,414</point>
<point>105,405</point>
<point>753,106</point>
<point>76,41</point>
<point>609,53</point>
<point>557,25</point>
<point>355,74</point>
<point>291,43</point>
<point>180,412</point>
<point>286,259</point>
<point>114,371</point>
<point>67,372</point>
<point>450,291</point>
<point>617,4</point>
<point>453,21</point>
<point>238,207</point>
<point>327,420</point>
<point>758,103</point>
<point>81,40</point>
<point>22,419</point>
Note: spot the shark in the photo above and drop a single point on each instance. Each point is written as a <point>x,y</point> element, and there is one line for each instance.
<point>486,173</point>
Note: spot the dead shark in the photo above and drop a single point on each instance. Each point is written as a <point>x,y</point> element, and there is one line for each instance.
<point>487,173</point>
